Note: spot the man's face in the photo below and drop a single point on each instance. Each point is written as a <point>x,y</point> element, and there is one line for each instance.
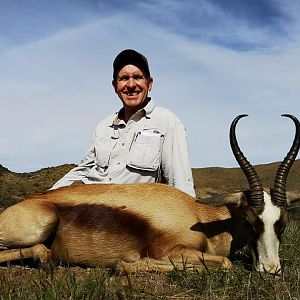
<point>132,87</point>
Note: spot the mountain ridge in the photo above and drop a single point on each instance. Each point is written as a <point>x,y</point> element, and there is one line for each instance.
<point>14,186</point>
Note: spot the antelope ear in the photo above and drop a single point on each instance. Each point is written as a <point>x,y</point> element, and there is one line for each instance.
<point>292,197</point>
<point>238,199</point>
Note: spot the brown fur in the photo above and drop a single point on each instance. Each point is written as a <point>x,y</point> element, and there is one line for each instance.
<point>143,226</point>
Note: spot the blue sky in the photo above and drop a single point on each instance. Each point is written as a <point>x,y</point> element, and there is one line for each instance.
<point>211,60</point>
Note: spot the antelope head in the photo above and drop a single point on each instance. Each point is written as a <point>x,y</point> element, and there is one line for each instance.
<point>266,213</point>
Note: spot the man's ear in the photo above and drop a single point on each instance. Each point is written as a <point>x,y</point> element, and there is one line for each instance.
<point>150,83</point>
<point>114,84</point>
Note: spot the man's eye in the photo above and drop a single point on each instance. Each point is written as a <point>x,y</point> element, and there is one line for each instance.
<point>123,78</point>
<point>138,77</point>
<point>135,77</point>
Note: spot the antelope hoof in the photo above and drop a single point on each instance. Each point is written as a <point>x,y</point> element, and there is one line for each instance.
<point>42,253</point>
<point>227,264</point>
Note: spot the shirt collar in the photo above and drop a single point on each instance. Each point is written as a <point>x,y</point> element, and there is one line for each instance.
<point>149,107</point>
<point>118,119</point>
<point>147,110</point>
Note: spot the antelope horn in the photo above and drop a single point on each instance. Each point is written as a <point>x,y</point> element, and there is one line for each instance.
<point>279,191</point>
<point>256,189</point>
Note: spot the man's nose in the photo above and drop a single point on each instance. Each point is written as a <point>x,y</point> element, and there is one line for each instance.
<point>131,82</point>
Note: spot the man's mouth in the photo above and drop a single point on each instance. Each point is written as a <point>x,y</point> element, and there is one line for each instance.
<point>130,94</point>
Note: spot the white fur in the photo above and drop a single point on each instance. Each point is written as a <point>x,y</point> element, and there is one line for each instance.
<point>268,243</point>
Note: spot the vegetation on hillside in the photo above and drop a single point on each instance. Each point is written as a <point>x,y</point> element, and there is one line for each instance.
<point>14,186</point>
<point>223,180</point>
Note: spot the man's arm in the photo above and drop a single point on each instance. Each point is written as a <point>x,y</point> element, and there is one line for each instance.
<point>78,173</point>
<point>175,160</point>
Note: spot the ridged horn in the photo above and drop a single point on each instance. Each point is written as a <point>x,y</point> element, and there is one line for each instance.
<point>279,191</point>
<point>256,188</point>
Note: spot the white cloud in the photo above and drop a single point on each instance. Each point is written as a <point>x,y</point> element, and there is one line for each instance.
<point>55,90</point>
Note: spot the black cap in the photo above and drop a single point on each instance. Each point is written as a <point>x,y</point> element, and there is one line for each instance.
<point>130,57</point>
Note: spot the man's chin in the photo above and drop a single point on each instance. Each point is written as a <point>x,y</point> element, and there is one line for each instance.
<point>132,102</point>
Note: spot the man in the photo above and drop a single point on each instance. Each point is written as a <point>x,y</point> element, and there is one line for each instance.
<point>142,142</point>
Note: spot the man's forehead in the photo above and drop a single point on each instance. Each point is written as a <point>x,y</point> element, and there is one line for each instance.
<point>130,69</point>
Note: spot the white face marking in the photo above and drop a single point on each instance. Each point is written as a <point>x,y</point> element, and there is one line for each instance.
<point>268,243</point>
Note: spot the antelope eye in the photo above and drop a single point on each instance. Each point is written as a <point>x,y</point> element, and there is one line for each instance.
<point>280,230</point>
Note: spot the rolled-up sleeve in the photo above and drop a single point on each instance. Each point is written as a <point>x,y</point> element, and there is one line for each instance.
<point>176,168</point>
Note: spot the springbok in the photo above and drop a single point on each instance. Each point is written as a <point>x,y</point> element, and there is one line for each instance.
<point>151,226</point>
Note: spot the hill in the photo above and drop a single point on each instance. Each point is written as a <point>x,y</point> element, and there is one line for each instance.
<point>14,186</point>
<point>220,180</point>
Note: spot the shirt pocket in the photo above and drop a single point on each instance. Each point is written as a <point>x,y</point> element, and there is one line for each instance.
<point>103,150</point>
<point>145,151</point>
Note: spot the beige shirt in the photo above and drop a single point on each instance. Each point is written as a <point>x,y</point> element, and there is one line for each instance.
<point>151,147</point>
